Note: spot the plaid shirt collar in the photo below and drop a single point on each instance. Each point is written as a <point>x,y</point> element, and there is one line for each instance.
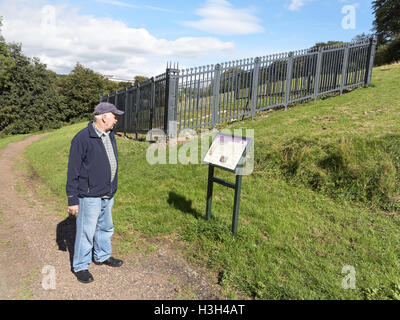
<point>100,133</point>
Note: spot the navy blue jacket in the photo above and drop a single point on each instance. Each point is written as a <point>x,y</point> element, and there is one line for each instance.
<point>89,170</point>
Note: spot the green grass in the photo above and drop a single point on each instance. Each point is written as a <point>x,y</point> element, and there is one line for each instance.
<point>323,194</point>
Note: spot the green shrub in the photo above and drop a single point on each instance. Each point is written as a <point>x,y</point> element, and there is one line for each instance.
<point>358,169</point>
<point>388,53</point>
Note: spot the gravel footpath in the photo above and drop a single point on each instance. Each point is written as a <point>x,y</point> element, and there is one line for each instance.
<point>35,249</point>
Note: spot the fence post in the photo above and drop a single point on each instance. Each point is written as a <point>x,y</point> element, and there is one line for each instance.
<point>125,113</point>
<point>216,87</point>
<point>152,102</point>
<point>318,74</point>
<point>344,68</point>
<point>171,102</point>
<point>254,86</point>
<point>370,61</point>
<point>137,109</point>
<point>289,72</point>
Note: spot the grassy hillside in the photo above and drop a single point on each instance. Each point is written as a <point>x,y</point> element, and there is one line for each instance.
<point>323,195</point>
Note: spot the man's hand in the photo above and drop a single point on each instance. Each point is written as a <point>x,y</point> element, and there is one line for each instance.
<point>73,210</point>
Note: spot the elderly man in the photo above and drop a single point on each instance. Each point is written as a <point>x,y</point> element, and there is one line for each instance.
<point>91,185</point>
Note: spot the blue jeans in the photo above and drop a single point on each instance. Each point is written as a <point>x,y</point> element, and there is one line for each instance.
<point>94,228</point>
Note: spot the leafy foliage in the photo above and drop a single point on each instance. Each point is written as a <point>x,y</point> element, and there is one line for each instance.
<point>140,79</point>
<point>387,28</point>
<point>33,98</point>
<point>387,19</point>
<point>6,62</point>
<point>388,52</point>
<point>29,100</point>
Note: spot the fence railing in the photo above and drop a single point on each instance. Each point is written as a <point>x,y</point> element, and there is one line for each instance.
<point>206,96</point>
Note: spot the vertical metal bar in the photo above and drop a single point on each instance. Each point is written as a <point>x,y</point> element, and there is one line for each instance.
<point>198,97</point>
<point>186,77</point>
<point>241,79</point>
<point>172,102</point>
<point>263,86</point>
<point>116,101</point>
<point>370,61</point>
<point>125,114</point>
<point>201,93</point>
<point>344,70</point>
<point>337,70</point>
<point>190,101</point>
<point>209,191</point>
<point>235,217</point>
<point>233,105</point>
<point>288,79</point>
<point>225,83</point>
<point>216,86</point>
<point>232,91</point>
<point>179,100</point>
<point>270,80</point>
<point>322,72</point>
<point>208,96</point>
<point>254,86</point>
<point>363,65</point>
<point>137,110</point>
<point>303,66</point>
<point>283,82</point>
<point>248,85</point>
<point>167,91</point>
<point>295,75</point>
<point>152,102</point>
<point>331,68</point>
<point>274,64</point>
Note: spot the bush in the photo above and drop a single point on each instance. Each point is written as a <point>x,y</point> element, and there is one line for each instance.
<point>388,53</point>
<point>31,101</point>
<point>358,169</point>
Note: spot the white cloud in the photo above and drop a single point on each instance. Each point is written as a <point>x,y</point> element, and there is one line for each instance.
<point>296,4</point>
<point>60,37</point>
<point>129,5</point>
<point>221,18</point>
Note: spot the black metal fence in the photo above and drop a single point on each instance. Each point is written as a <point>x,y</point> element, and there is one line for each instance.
<point>204,96</point>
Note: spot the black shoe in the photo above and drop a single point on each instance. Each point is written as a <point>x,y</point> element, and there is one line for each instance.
<point>84,276</point>
<point>112,262</point>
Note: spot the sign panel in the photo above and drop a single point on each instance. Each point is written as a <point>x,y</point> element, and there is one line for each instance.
<point>226,151</point>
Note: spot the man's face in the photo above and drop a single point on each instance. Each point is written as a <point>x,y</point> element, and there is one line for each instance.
<point>109,120</point>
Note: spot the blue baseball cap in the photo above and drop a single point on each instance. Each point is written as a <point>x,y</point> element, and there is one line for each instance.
<point>105,107</point>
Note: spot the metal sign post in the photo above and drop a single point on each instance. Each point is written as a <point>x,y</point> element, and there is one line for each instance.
<point>228,153</point>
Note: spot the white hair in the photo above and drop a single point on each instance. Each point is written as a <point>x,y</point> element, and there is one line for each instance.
<point>98,117</point>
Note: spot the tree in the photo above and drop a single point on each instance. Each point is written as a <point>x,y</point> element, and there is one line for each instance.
<point>387,28</point>
<point>30,101</point>
<point>140,79</point>
<point>329,43</point>
<point>387,19</point>
<point>6,62</point>
<point>81,90</point>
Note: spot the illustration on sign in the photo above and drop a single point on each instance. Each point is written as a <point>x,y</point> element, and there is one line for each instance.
<point>226,151</point>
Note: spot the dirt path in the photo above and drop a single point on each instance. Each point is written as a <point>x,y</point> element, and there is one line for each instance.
<point>35,249</point>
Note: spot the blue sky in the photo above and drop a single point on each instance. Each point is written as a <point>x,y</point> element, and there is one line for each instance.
<point>126,38</point>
